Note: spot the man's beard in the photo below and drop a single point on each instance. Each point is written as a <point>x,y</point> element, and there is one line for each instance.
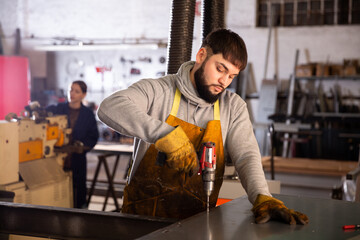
<point>202,88</point>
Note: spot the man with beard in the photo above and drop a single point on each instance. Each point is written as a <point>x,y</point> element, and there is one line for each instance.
<point>173,116</point>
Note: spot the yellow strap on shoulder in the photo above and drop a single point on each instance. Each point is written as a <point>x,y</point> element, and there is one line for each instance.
<point>176,104</point>
<point>217,110</point>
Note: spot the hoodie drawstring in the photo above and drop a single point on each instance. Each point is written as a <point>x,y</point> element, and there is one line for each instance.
<point>187,110</point>
<point>197,107</point>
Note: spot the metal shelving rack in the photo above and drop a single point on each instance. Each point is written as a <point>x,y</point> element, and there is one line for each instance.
<point>290,103</point>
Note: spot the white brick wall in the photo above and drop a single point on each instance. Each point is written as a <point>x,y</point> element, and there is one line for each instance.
<point>86,18</point>
<point>150,19</point>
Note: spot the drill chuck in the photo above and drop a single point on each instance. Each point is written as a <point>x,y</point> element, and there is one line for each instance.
<point>208,177</point>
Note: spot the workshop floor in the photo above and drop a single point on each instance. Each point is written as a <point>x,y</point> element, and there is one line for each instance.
<point>96,204</point>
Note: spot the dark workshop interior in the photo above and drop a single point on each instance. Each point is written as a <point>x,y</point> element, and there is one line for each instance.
<point>301,86</point>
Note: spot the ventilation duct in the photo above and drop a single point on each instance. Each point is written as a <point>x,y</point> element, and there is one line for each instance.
<point>212,15</point>
<point>181,34</point>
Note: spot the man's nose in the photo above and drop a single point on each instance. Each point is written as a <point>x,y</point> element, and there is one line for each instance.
<point>224,79</point>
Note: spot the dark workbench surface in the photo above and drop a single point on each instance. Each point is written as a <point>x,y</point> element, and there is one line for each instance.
<point>234,220</point>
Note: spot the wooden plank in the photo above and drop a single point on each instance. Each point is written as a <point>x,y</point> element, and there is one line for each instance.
<point>310,166</point>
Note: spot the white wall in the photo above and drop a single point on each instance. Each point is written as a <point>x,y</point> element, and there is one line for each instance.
<point>42,20</point>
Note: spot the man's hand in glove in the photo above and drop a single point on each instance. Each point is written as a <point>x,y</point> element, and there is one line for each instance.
<point>180,152</point>
<point>266,208</point>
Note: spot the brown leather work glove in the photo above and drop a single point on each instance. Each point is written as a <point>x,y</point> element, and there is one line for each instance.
<point>180,152</point>
<point>266,208</point>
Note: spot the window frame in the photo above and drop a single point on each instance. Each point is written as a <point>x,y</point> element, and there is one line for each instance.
<point>327,12</point>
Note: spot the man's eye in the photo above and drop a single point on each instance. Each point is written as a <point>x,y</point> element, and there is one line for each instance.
<point>219,69</point>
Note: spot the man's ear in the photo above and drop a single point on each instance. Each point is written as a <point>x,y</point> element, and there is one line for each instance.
<point>201,55</point>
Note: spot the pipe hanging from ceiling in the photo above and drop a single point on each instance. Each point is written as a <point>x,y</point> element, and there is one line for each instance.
<point>182,27</point>
<point>181,34</point>
<point>212,15</point>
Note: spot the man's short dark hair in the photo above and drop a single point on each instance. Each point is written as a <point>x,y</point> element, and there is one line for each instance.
<point>230,44</point>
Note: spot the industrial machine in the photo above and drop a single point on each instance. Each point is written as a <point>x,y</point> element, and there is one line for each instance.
<point>30,164</point>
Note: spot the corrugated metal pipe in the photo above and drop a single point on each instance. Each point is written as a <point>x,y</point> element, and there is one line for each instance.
<point>212,15</point>
<point>181,34</point>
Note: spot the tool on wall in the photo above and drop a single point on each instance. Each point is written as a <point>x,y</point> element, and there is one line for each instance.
<point>207,168</point>
<point>102,70</point>
<point>135,71</point>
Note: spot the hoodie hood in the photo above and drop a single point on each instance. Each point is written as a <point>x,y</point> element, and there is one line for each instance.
<point>184,84</point>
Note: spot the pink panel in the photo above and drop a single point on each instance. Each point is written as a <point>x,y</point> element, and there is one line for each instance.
<point>14,84</point>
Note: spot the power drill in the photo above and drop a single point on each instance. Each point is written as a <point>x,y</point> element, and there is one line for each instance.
<point>207,167</point>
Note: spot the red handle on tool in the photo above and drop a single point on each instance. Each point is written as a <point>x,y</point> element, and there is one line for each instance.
<point>207,160</point>
<point>346,227</point>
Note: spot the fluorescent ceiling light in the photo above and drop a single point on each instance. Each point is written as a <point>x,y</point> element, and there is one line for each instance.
<point>89,47</point>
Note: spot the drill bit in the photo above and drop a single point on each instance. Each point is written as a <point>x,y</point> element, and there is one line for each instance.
<point>207,204</point>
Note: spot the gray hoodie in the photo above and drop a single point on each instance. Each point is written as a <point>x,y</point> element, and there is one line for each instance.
<point>141,110</point>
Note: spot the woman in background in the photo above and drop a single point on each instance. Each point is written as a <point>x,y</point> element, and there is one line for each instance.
<point>81,120</point>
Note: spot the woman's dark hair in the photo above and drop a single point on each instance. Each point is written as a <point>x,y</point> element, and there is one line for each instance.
<point>230,44</point>
<point>82,85</point>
